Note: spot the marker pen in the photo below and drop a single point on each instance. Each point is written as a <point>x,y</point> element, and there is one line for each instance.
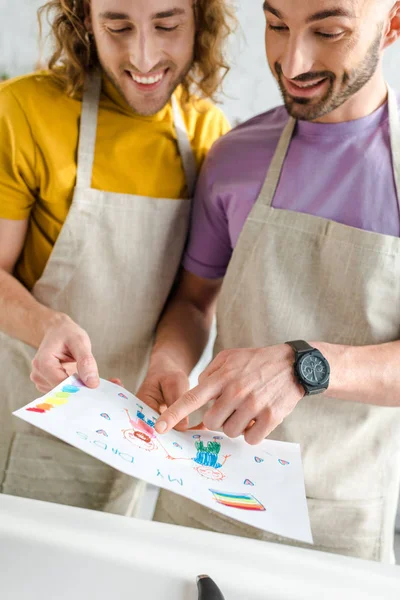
<point>208,589</point>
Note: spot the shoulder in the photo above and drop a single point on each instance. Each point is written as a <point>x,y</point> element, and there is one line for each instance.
<point>250,143</point>
<point>205,122</point>
<point>31,92</point>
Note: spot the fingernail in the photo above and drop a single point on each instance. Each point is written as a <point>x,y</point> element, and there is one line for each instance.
<point>92,380</point>
<point>161,426</point>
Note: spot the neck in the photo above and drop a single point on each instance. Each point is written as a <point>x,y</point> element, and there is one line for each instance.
<point>362,104</point>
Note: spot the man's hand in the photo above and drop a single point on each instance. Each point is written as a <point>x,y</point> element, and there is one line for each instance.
<point>65,349</point>
<point>164,384</point>
<point>254,390</point>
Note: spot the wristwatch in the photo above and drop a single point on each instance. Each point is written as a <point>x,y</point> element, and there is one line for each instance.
<point>311,368</point>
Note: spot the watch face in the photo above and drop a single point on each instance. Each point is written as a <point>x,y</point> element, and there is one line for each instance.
<point>314,369</point>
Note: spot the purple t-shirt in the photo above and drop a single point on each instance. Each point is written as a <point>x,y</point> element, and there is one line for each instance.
<point>340,171</point>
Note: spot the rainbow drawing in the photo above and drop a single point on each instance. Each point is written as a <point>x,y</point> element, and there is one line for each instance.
<point>242,501</point>
<point>58,399</point>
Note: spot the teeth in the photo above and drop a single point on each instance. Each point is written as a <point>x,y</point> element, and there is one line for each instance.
<point>309,85</point>
<point>147,80</point>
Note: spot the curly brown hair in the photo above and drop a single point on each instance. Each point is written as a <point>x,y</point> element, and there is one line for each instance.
<point>74,56</point>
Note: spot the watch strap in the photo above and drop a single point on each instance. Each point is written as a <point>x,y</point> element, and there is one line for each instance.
<point>300,347</point>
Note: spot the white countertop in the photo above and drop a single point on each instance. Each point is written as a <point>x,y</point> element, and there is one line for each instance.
<point>52,552</point>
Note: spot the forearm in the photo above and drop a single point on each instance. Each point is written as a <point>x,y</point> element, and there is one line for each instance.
<point>367,374</point>
<point>182,335</point>
<point>21,316</point>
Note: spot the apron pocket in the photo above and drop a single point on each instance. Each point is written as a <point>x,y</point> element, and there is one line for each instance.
<point>350,528</point>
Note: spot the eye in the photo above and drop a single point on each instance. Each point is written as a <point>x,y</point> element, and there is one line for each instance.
<point>277,28</point>
<point>330,36</point>
<point>122,30</point>
<point>167,28</point>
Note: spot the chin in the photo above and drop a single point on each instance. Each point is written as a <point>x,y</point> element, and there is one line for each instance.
<point>147,108</point>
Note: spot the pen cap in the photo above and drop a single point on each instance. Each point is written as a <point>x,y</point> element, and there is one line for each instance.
<point>208,589</point>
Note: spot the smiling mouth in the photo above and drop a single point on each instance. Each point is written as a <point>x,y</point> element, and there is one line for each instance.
<point>306,86</point>
<point>304,89</point>
<point>148,81</point>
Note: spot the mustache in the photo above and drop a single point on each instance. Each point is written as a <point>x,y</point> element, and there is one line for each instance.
<point>159,67</point>
<point>306,77</point>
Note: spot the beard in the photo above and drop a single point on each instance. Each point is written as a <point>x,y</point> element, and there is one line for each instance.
<point>352,82</point>
<point>148,106</point>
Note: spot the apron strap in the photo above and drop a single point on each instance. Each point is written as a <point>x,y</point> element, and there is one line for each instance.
<point>185,149</point>
<point>394,127</point>
<point>88,131</point>
<point>274,172</point>
<point>88,134</point>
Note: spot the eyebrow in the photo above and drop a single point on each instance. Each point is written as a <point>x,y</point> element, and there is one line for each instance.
<point>327,14</point>
<point>268,8</point>
<point>166,14</point>
<point>319,16</point>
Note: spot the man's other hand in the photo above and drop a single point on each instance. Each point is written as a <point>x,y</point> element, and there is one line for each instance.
<point>163,385</point>
<point>65,349</point>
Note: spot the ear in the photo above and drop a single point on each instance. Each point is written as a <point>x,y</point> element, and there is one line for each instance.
<point>392,33</point>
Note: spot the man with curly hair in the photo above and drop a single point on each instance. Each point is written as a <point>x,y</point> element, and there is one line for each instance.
<point>98,161</point>
<point>296,227</point>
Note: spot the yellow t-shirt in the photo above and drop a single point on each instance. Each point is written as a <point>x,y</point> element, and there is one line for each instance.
<point>39,129</point>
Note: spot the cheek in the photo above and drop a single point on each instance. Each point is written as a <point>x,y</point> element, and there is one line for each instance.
<point>107,46</point>
<point>179,48</point>
<point>274,48</point>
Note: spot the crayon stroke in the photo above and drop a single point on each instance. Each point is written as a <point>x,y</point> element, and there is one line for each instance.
<point>58,399</point>
<point>142,433</point>
<point>242,501</point>
<point>207,463</point>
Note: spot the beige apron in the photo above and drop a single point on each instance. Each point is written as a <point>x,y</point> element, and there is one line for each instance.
<point>296,276</point>
<point>111,271</point>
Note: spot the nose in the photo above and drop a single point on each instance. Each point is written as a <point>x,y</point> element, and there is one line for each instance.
<point>145,53</point>
<point>297,59</point>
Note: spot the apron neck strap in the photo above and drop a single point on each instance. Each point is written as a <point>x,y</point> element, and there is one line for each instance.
<point>88,134</point>
<point>394,127</point>
<point>88,130</point>
<point>274,172</point>
<point>185,149</point>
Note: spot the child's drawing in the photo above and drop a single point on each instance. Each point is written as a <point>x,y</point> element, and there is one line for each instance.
<point>142,433</point>
<point>206,461</point>
<point>102,432</point>
<point>114,426</point>
<point>242,501</point>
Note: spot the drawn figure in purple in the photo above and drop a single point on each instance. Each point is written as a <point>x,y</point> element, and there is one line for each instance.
<point>142,433</point>
<point>207,462</point>
<point>106,416</point>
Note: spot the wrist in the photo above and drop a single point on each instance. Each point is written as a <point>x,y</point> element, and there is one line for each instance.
<point>45,320</point>
<point>338,358</point>
<point>162,361</point>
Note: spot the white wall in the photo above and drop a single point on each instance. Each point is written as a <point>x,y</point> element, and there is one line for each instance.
<point>250,88</point>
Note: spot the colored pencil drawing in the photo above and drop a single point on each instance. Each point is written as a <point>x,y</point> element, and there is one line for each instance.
<point>142,433</point>
<point>207,462</point>
<point>59,399</point>
<point>226,475</point>
<point>242,501</point>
